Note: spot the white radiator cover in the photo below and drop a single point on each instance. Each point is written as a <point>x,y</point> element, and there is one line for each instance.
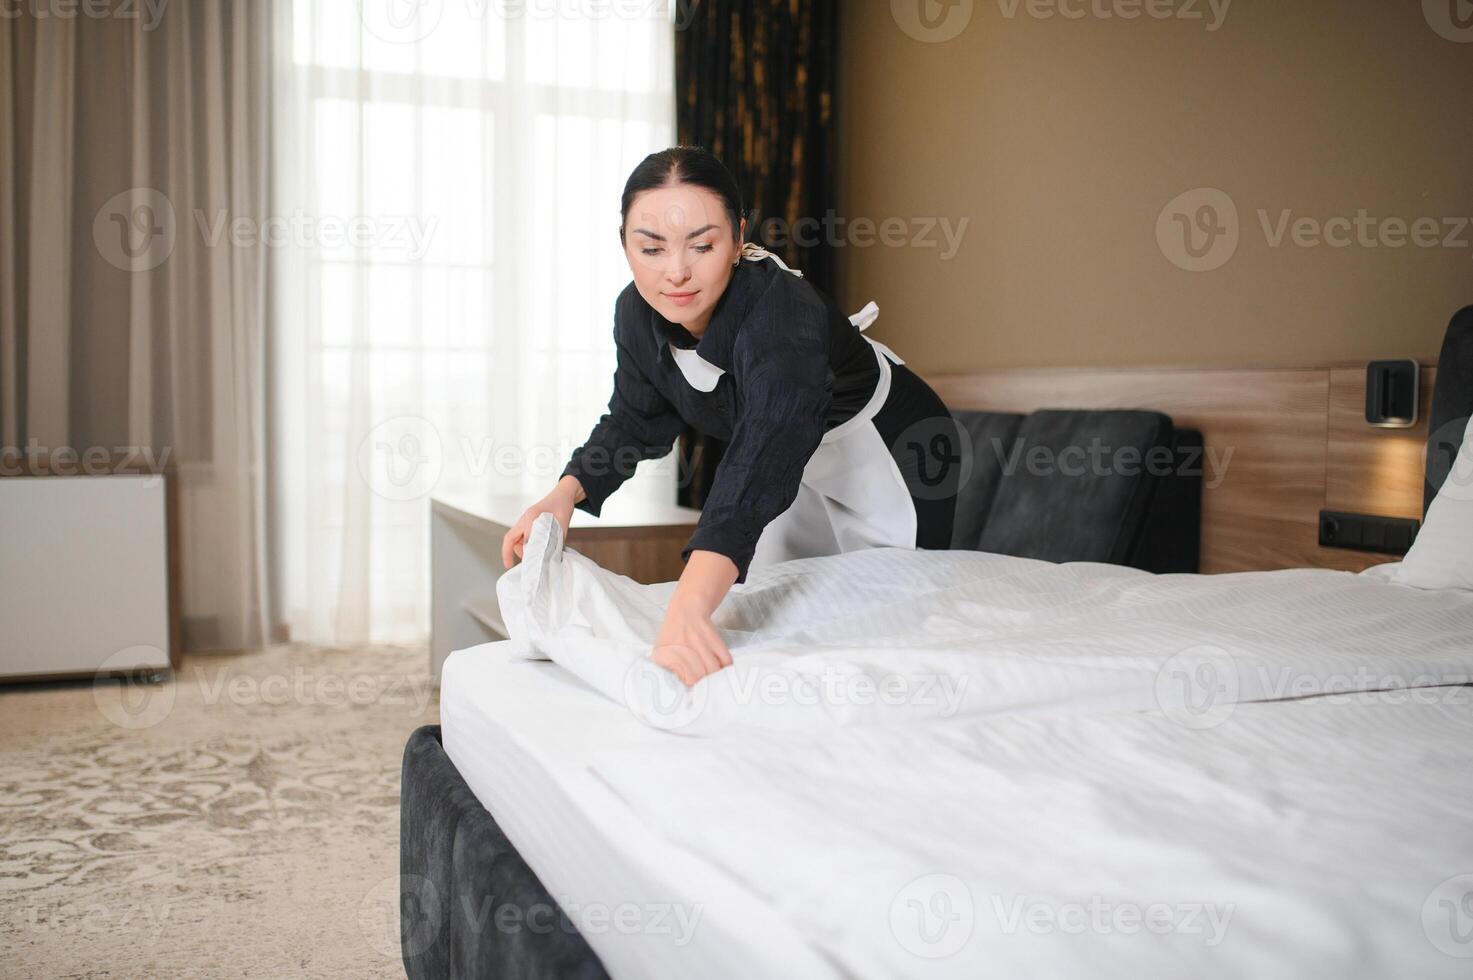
<point>84,576</point>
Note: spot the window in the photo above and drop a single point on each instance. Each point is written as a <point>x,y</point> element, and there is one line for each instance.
<point>447,185</point>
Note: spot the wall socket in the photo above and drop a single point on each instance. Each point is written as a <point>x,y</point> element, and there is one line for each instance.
<point>1367,532</point>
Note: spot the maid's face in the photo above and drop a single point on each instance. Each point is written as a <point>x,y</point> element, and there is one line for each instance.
<point>682,250</point>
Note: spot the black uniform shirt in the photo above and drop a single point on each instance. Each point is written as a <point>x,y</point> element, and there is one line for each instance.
<point>795,368</point>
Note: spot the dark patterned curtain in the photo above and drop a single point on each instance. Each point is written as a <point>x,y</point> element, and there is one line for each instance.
<point>754,82</point>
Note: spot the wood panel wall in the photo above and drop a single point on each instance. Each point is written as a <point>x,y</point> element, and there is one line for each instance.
<point>1281,444</point>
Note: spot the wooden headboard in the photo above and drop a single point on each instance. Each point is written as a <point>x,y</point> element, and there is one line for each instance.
<point>1282,443</point>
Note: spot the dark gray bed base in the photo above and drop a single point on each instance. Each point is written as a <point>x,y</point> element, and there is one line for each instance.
<point>469,906</point>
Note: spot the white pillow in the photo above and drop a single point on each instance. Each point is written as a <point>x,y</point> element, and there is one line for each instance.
<point>1442,555</point>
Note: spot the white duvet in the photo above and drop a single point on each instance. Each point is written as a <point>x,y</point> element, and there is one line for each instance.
<point>886,636</point>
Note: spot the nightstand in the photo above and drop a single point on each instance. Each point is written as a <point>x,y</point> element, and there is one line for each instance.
<point>633,537</point>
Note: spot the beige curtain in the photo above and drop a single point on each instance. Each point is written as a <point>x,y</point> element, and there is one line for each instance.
<point>133,178</point>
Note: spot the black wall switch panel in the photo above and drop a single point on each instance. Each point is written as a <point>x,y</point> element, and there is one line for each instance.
<point>1367,532</point>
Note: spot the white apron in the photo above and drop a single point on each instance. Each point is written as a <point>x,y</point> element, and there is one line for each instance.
<point>852,494</point>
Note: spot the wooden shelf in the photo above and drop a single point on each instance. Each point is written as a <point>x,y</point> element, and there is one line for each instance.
<point>488,613</point>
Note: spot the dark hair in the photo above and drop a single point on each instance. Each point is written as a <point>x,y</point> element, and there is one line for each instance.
<point>694,165</point>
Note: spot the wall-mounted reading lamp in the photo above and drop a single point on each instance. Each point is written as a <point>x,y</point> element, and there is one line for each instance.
<point>1391,394</point>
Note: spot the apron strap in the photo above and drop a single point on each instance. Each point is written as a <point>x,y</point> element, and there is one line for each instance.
<point>862,319</point>
<point>884,350</point>
<point>756,253</point>
<point>866,316</point>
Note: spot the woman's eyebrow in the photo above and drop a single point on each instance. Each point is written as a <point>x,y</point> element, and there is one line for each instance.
<point>661,238</point>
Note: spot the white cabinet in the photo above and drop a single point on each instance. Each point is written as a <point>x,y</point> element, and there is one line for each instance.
<point>84,574</point>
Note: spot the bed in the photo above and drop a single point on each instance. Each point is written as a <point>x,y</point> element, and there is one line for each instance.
<point>1082,770</point>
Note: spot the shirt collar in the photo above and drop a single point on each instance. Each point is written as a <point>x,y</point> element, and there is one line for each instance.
<point>719,340</point>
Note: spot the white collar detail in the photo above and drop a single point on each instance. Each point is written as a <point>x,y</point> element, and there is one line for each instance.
<point>701,373</point>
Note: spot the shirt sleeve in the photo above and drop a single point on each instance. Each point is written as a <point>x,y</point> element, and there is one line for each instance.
<point>640,424</point>
<point>784,386</point>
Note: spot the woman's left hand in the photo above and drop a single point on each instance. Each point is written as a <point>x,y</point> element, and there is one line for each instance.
<point>688,645</point>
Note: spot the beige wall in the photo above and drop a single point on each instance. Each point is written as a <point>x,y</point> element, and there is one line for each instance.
<point>1061,141</point>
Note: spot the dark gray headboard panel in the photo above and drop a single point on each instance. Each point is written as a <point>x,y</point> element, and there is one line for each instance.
<point>1452,402</point>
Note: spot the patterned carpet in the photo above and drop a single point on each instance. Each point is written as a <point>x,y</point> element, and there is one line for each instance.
<point>240,819</point>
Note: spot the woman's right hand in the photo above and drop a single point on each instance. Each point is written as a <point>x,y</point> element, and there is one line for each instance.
<point>559,503</point>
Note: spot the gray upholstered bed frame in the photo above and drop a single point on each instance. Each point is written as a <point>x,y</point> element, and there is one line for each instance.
<point>468,904</point>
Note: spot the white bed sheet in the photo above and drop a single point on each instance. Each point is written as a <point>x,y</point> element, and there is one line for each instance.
<point>1325,838</point>
<point>522,734</point>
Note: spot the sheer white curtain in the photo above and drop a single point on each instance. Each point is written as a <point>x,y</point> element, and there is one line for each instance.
<point>447,190</point>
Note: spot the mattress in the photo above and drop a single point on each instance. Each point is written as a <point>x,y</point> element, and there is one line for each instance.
<point>523,734</point>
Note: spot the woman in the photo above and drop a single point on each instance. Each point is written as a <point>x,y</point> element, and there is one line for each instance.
<point>833,444</point>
